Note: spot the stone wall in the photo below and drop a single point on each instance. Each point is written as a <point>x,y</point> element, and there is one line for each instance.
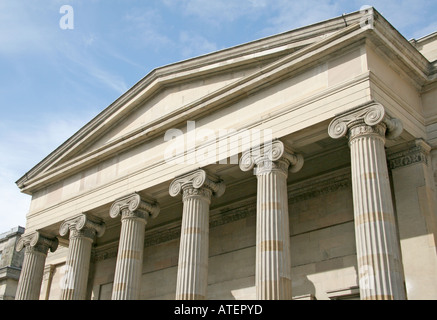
<point>10,263</point>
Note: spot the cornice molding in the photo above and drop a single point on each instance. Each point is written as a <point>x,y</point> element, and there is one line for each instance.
<point>401,51</point>
<point>9,272</point>
<point>320,186</point>
<point>13,233</point>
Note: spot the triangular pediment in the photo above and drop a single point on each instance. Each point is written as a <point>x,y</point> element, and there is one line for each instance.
<point>168,100</point>
<point>191,88</point>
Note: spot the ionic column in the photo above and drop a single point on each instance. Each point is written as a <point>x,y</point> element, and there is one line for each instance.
<point>273,267</point>
<point>378,250</point>
<point>128,271</point>
<point>197,188</point>
<point>83,231</point>
<point>36,247</point>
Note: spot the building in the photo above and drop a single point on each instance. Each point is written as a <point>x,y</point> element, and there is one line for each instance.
<point>299,166</point>
<point>10,263</point>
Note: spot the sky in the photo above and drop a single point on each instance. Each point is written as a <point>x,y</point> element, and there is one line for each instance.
<point>61,66</point>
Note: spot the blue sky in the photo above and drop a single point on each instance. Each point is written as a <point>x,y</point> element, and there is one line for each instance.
<point>53,81</point>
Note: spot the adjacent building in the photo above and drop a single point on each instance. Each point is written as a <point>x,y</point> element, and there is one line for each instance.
<point>298,166</point>
<point>10,262</point>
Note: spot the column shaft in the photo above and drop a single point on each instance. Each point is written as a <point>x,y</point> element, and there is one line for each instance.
<point>272,162</point>
<point>32,272</point>
<point>273,266</point>
<point>378,251</point>
<point>194,246</point>
<point>82,234</point>
<point>197,188</point>
<point>74,286</point>
<point>128,270</point>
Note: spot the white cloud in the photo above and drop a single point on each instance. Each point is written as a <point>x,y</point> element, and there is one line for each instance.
<point>427,30</point>
<point>89,39</point>
<point>26,29</point>
<point>148,28</point>
<point>217,12</point>
<point>14,204</point>
<point>85,67</point>
<point>144,27</point>
<point>22,29</point>
<point>195,45</point>
<point>22,146</point>
<point>114,82</point>
<point>284,15</point>
<point>294,14</point>
<point>277,16</point>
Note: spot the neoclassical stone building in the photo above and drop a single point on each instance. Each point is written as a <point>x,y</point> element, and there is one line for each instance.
<point>299,166</point>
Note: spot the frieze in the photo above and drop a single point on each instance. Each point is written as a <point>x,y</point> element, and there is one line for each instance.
<point>417,154</point>
<point>106,252</point>
<point>319,187</point>
<point>155,238</point>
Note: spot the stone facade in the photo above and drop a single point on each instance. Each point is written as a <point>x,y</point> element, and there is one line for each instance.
<point>11,262</point>
<point>300,166</point>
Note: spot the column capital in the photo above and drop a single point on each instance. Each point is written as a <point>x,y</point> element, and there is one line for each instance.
<point>37,242</point>
<point>198,179</point>
<point>370,115</point>
<point>132,206</point>
<point>82,226</point>
<point>271,152</point>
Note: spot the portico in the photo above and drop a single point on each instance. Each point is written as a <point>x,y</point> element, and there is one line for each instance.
<point>293,186</point>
